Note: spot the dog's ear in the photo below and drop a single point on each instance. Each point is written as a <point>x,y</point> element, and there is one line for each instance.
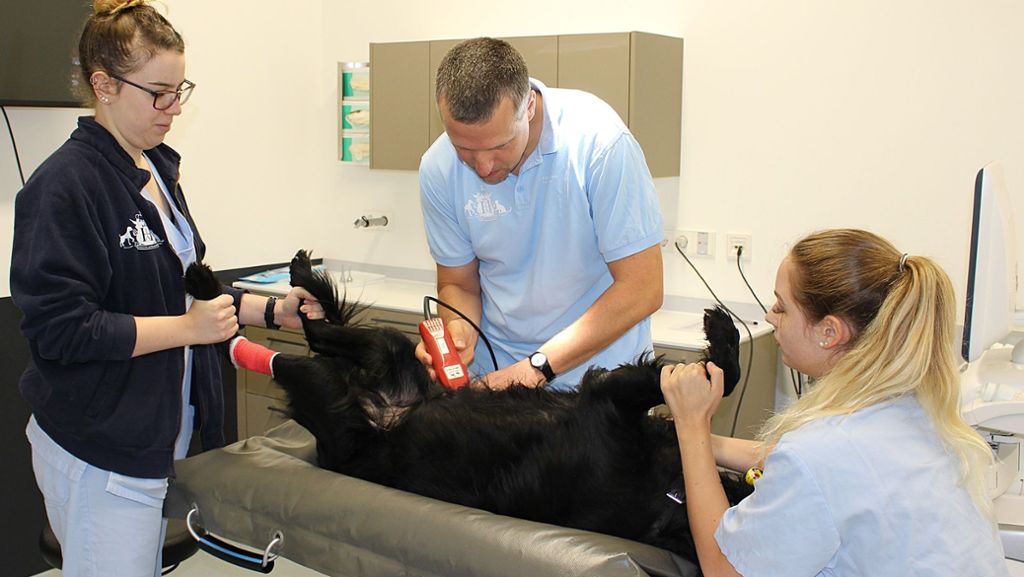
<point>723,345</point>
<point>201,283</point>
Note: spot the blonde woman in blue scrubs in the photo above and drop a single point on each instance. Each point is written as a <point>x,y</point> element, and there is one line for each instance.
<point>873,472</point>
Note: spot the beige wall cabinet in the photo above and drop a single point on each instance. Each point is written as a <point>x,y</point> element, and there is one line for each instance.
<point>638,74</point>
<point>758,397</point>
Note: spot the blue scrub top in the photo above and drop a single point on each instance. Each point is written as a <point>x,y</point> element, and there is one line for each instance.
<point>871,493</point>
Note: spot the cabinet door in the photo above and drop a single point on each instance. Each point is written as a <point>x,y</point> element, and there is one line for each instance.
<point>399,104</point>
<point>438,48</point>
<point>262,414</point>
<point>405,323</point>
<point>599,64</point>
<point>655,100</point>
<point>539,52</point>
<point>541,56</point>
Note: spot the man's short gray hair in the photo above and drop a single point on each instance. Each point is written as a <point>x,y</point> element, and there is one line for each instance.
<point>476,74</point>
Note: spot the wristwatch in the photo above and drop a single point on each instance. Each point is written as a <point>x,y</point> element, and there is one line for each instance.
<point>539,361</point>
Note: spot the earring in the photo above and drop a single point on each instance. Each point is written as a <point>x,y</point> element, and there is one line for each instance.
<point>822,344</point>
<point>105,100</point>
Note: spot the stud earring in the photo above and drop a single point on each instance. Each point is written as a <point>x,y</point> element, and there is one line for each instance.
<point>822,344</point>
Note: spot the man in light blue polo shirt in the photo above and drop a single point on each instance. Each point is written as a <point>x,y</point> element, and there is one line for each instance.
<point>543,220</point>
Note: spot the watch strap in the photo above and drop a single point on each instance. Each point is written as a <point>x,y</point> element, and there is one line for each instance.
<point>268,314</point>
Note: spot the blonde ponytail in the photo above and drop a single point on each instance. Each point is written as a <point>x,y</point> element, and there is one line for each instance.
<point>902,347</point>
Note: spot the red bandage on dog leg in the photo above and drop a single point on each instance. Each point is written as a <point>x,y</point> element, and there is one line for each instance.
<point>251,356</point>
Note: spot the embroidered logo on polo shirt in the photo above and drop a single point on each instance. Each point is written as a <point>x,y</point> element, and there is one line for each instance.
<point>139,236</point>
<point>483,207</point>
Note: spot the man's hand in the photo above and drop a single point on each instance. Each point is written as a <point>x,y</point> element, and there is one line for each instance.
<point>463,337</point>
<point>522,373</point>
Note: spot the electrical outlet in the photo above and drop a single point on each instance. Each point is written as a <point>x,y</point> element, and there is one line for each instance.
<point>669,239</point>
<point>696,242</point>
<point>734,241</point>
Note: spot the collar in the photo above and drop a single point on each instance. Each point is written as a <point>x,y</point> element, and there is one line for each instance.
<point>548,142</point>
<point>96,136</point>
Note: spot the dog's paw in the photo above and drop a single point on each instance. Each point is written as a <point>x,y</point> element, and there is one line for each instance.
<point>723,345</point>
<point>201,283</point>
<point>301,268</point>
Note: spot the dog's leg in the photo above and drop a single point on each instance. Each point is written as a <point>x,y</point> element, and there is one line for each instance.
<point>634,388</point>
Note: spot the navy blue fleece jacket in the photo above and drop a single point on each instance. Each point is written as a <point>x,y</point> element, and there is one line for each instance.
<point>90,253</point>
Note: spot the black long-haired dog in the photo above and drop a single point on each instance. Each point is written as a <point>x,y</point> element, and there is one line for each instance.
<point>595,459</point>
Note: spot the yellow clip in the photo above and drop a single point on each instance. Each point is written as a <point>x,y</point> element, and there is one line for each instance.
<point>752,475</point>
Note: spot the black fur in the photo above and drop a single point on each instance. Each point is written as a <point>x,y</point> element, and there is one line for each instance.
<point>594,459</point>
<point>723,345</point>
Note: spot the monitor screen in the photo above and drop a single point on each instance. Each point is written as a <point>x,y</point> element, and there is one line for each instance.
<point>992,268</point>
<point>38,42</point>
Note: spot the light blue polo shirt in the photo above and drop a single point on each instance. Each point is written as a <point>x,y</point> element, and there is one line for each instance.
<point>872,493</point>
<point>583,198</point>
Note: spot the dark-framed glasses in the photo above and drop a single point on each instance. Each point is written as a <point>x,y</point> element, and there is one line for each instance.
<point>164,99</point>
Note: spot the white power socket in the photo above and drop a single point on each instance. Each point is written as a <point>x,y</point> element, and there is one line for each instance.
<point>695,242</point>
<point>736,240</point>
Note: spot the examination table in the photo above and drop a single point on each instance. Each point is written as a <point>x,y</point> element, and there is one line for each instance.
<point>343,526</point>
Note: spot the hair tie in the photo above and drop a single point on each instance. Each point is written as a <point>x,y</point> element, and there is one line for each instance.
<point>121,7</point>
<point>903,262</point>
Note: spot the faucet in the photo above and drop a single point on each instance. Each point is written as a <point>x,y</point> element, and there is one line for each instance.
<point>366,221</point>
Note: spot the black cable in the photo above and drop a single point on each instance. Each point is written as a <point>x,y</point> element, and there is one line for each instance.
<point>14,144</point>
<point>426,316</point>
<point>750,335</point>
<point>795,378</point>
<point>739,257</point>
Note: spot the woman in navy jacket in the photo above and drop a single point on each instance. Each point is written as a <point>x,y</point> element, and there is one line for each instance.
<point>122,360</point>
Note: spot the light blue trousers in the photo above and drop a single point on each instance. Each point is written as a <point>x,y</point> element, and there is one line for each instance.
<point>107,524</point>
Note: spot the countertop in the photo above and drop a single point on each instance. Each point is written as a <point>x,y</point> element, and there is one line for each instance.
<point>676,329</point>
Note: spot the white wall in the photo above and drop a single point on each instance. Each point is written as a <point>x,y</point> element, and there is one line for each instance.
<point>798,115</point>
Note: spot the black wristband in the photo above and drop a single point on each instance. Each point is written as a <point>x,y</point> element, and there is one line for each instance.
<point>268,314</point>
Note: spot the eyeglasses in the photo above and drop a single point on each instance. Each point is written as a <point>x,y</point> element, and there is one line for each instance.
<point>164,99</point>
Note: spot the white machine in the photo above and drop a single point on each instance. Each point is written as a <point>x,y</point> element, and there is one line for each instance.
<point>992,394</point>
<point>993,402</point>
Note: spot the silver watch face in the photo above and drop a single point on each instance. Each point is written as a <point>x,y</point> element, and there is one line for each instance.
<point>538,359</point>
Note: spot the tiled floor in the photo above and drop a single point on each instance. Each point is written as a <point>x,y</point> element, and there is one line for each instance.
<point>203,565</point>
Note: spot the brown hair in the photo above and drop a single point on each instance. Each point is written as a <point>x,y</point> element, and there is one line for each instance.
<point>120,36</point>
<point>476,74</point>
<point>843,272</point>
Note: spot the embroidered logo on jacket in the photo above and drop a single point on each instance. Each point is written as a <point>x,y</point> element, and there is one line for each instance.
<point>483,207</point>
<point>139,236</point>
